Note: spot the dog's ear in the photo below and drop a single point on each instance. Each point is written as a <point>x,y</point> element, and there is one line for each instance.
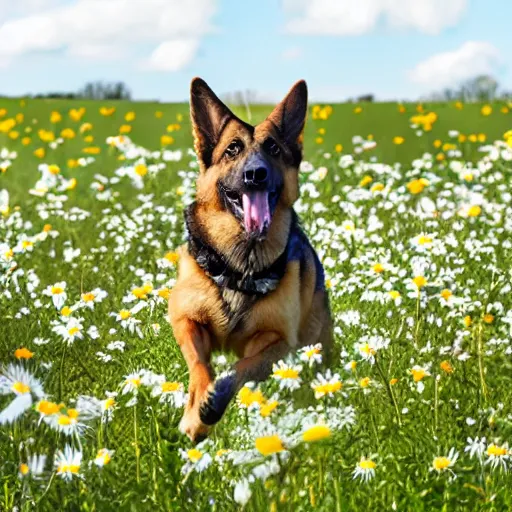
<point>289,116</point>
<point>209,117</point>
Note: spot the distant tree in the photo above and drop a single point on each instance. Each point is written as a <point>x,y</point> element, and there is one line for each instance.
<point>478,88</point>
<point>57,95</point>
<point>105,91</point>
<point>368,98</point>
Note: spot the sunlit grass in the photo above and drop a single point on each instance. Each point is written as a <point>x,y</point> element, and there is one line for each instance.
<point>413,412</point>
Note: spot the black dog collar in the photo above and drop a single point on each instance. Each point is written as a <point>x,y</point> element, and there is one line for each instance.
<point>218,269</point>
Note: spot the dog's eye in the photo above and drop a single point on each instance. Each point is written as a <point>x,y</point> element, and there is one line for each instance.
<point>271,147</point>
<point>234,149</point>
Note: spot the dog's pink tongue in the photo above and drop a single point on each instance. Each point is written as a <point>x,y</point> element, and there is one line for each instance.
<point>256,211</point>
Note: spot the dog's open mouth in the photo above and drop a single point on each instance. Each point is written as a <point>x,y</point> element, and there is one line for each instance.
<point>253,209</point>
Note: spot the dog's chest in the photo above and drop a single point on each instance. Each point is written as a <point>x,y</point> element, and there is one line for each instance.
<point>237,306</point>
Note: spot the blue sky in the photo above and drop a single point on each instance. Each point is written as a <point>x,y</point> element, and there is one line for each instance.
<point>343,48</point>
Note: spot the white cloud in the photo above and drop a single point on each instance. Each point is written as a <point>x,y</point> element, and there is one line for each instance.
<point>292,53</point>
<point>346,17</point>
<point>450,68</point>
<point>11,9</point>
<point>105,29</point>
<point>173,55</point>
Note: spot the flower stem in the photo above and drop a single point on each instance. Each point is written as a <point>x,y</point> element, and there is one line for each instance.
<point>436,402</point>
<point>417,329</point>
<point>480,350</point>
<point>389,390</point>
<point>136,443</point>
<point>61,379</point>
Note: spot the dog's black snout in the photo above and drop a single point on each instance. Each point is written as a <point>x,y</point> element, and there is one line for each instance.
<point>256,176</point>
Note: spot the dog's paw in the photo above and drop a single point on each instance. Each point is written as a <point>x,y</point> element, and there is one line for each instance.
<point>192,426</point>
<point>217,399</point>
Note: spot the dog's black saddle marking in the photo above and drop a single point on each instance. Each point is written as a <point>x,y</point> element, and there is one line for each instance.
<point>258,283</point>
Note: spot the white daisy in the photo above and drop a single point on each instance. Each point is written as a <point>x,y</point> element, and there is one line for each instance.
<point>68,463</point>
<point>311,354</point>
<point>287,375</point>
<point>17,380</point>
<point>58,294</point>
<point>364,470</point>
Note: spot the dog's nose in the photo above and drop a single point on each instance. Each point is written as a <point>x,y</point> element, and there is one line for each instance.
<point>256,176</point>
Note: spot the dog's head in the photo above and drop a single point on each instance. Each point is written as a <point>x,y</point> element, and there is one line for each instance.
<point>248,172</point>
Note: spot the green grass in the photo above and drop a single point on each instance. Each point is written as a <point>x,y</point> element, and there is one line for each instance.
<point>122,245</point>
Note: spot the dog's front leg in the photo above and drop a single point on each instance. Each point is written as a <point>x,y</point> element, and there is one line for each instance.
<point>195,344</point>
<point>261,352</point>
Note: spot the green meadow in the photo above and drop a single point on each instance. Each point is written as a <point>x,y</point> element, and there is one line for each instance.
<point>413,225</point>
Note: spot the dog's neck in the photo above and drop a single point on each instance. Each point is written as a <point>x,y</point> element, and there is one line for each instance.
<point>222,232</point>
<point>236,262</point>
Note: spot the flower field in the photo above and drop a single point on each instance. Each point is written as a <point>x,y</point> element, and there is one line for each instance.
<point>410,209</point>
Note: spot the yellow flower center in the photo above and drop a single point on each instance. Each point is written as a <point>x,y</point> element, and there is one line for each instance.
<point>24,469</point>
<point>496,451</point>
<point>134,382</point>
<point>378,268</point>
<point>140,293</point>
<point>109,402</point>
<point>311,352</point>
<point>267,408</point>
<point>419,281</point>
<point>287,373</point>
<point>417,186</point>
<point>20,387</point>
<point>316,433</point>
<point>366,349</point>
<point>441,463</point>
<point>57,290</point>
<point>248,397</point>
<point>104,456</point>
<point>394,294</point>
<point>194,455</point>
<point>47,408</point>
<point>446,294</point>
<point>424,240</point>
<point>446,366</point>
<point>26,244</point>
<point>367,464</point>
<point>141,170</point>
<point>488,318</point>
<point>73,330</point>
<point>364,383</point>
<point>66,419</point>
<point>172,257</point>
<point>124,314</point>
<point>65,311</point>
<point>474,211</point>
<point>169,387</point>
<point>68,468</point>
<point>268,445</point>
<point>418,374</point>
<point>53,169</point>
<point>88,297</point>
<point>165,293</point>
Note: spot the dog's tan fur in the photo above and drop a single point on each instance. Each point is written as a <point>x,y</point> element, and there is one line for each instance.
<point>294,314</point>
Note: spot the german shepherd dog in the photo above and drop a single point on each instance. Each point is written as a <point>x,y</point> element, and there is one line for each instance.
<point>248,280</point>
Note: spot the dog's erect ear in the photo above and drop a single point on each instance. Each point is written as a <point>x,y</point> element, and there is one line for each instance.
<point>209,117</point>
<point>289,116</point>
